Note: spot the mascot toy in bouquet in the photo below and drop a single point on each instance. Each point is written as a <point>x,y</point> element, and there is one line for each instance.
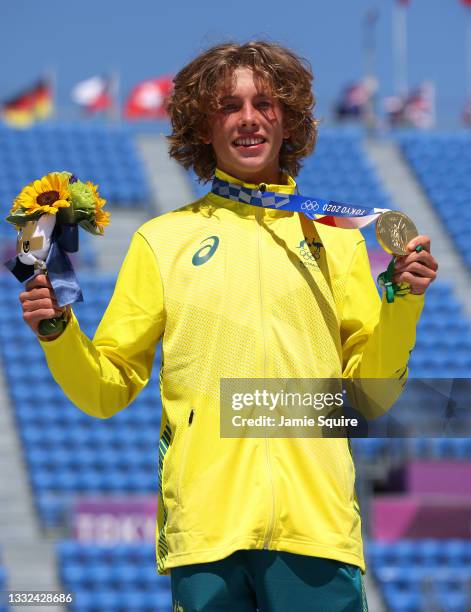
<point>46,214</point>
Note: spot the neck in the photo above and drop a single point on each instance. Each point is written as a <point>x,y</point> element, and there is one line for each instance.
<point>273,177</point>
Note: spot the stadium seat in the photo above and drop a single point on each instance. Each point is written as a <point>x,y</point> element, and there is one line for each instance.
<point>421,574</point>
<point>104,155</point>
<point>441,164</point>
<point>68,452</point>
<point>123,576</point>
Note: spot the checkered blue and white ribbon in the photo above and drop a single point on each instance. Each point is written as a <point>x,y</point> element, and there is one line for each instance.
<point>328,212</point>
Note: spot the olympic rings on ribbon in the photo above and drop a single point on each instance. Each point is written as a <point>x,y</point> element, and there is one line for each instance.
<point>310,205</point>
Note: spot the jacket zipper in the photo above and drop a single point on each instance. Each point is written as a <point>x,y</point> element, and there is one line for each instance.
<point>184,454</point>
<point>272,516</point>
<point>269,532</point>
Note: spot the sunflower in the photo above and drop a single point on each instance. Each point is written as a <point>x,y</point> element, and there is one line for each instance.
<point>101,218</point>
<point>46,195</point>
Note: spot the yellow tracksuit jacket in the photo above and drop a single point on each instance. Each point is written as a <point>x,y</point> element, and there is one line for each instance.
<point>234,291</point>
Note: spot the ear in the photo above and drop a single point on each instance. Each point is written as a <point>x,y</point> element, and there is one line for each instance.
<point>205,134</point>
<point>286,134</point>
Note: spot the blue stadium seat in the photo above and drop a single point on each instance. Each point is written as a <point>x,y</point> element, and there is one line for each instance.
<point>441,163</point>
<point>402,601</point>
<point>454,601</point>
<point>102,154</point>
<point>122,575</point>
<point>67,451</point>
<point>420,574</point>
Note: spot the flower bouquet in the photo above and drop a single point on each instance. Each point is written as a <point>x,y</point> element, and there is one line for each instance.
<point>47,214</point>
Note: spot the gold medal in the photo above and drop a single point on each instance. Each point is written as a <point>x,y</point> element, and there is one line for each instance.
<point>394,231</point>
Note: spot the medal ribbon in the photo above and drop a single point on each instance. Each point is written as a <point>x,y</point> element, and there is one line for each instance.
<point>328,212</point>
<point>385,279</point>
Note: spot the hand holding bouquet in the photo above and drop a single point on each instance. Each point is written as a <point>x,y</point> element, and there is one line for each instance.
<point>47,213</point>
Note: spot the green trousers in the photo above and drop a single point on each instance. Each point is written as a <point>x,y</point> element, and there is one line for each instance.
<point>268,581</point>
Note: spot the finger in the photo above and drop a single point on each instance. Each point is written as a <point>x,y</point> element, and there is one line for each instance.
<point>418,269</point>
<point>41,280</point>
<point>412,256</point>
<point>397,279</point>
<point>37,294</point>
<point>418,284</point>
<point>424,241</point>
<point>399,261</point>
<point>424,257</point>
<point>34,318</point>
<point>33,305</point>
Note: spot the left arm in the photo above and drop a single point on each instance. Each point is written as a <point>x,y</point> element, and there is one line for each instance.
<point>377,337</point>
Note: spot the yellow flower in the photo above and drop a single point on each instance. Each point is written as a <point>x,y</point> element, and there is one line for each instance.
<point>101,218</point>
<point>46,195</point>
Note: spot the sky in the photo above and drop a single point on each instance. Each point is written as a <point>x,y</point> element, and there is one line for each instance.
<point>141,39</point>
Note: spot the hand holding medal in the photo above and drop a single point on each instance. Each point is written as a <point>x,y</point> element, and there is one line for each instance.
<point>412,267</point>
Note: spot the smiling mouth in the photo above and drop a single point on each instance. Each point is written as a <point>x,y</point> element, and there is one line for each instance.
<point>248,142</point>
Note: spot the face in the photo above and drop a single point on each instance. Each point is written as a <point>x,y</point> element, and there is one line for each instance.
<point>248,132</point>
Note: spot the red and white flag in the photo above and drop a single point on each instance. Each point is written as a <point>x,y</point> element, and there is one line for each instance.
<point>93,94</point>
<point>148,99</point>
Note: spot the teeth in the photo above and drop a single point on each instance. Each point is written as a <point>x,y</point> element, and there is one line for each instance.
<point>247,142</point>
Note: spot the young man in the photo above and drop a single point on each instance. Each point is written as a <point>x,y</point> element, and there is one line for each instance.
<point>243,523</point>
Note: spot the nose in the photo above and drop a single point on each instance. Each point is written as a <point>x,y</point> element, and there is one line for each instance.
<point>248,116</point>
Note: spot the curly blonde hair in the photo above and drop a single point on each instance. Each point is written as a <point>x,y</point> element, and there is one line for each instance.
<point>194,100</point>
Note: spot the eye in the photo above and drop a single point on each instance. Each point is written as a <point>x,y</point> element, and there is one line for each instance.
<point>229,108</point>
<point>264,104</point>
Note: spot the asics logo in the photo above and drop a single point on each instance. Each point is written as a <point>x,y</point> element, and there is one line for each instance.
<point>309,205</point>
<point>205,253</point>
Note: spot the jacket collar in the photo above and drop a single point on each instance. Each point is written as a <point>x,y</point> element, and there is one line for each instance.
<point>247,210</point>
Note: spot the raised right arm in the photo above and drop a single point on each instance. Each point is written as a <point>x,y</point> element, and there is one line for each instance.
<point>103,376</point>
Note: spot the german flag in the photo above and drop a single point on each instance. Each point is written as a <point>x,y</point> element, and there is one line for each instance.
<point>32,104</point>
